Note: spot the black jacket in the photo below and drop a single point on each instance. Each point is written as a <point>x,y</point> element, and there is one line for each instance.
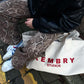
<point>56,16</point>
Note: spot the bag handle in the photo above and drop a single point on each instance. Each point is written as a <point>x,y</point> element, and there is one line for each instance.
<point>72,35</point>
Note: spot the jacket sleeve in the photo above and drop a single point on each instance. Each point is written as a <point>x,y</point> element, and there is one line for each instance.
<point>67,22</point>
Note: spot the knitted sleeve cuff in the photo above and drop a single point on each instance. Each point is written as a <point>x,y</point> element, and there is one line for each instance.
<point>36,24</point>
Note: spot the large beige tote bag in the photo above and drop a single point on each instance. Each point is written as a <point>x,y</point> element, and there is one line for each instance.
<point>65,56</point>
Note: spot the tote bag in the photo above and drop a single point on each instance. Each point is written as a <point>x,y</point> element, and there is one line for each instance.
<point>65,56</point>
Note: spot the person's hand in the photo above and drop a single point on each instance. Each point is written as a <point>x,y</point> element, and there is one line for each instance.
<point>29,23</point>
